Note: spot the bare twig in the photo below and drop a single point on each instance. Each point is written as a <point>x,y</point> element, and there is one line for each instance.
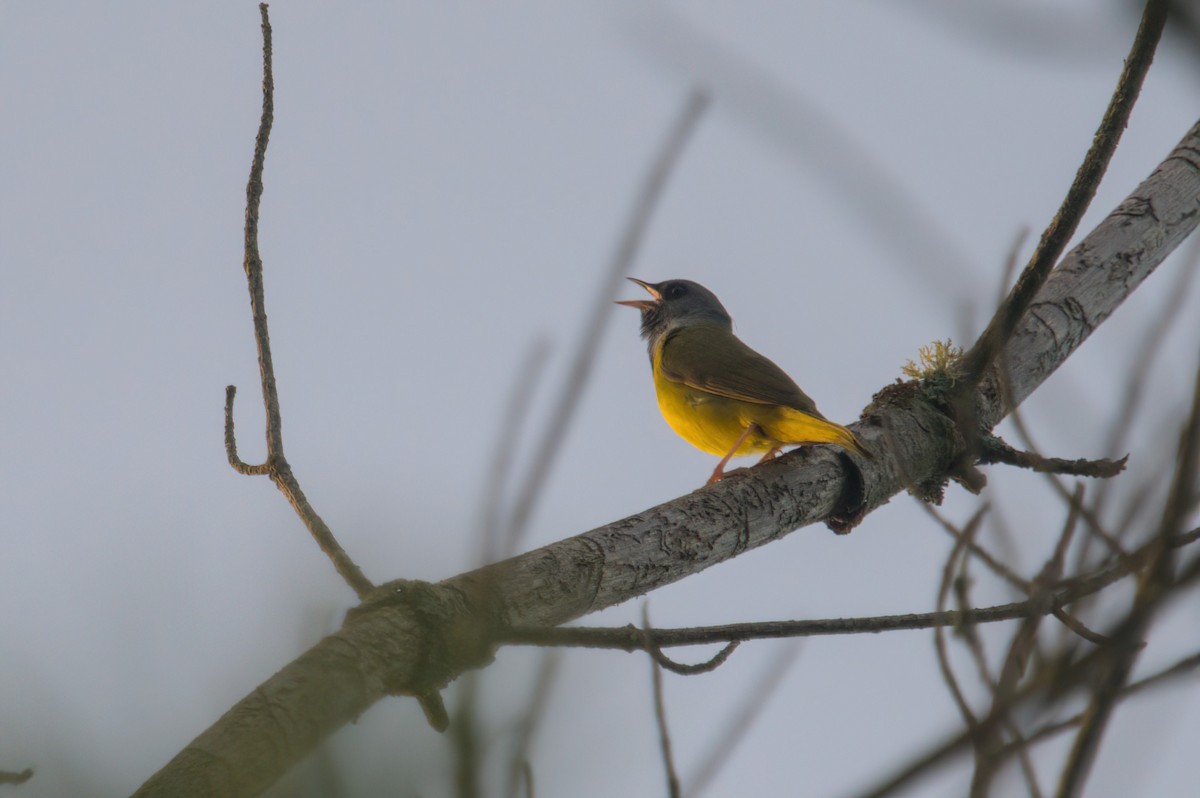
<point>1108,667</point>
<point>1010,263</point>
<point>1183,667</point>
<point>11,777</point>
<point>997,451</point>
<point>630,638</point>
<point>1079,196</point>
<point>231,452</point>
<point>961,539</point>
<point>660,711</point>
<point>988,746</point>
<point>942,752</point>
<point>679,668</point>
<point>1095,525</point>
<point>993,564</point>
<point>1154,585</point>
<point>276,465</point>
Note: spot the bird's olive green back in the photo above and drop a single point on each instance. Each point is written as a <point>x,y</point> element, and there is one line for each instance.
<point>708,357</point>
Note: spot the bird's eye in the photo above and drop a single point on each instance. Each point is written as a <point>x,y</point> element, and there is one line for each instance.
<point>675,291</point>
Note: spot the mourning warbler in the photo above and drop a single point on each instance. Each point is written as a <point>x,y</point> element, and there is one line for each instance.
<point>719,394</point>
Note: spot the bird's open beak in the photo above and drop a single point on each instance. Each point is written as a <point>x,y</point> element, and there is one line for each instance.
<point>642,304</point>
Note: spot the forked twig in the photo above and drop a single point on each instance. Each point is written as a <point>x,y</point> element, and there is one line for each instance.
<point>276,465</point>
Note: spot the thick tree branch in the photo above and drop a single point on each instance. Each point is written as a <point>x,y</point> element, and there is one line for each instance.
<point>1097,276</point>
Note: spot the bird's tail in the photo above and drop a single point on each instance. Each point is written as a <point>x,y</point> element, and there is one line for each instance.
<point>796,426</point>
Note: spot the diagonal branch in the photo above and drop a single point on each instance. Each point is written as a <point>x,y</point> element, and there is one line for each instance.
<point>1079,196</point>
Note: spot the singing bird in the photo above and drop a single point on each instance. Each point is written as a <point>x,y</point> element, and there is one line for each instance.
<point>717,393</point>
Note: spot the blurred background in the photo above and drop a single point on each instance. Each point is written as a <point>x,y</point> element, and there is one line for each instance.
<point>446,185</point>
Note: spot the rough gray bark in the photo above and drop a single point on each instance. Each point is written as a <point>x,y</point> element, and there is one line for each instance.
<point>411,637</point>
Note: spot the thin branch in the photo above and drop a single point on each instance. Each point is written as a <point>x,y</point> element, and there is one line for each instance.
<point>1079,196</point>
<point>988,746</point>
<point>681,669</point>
<point>231,452</point>
<point>1079,628</point>
<point>1097,527</point>
<point>1152,588</point>
<point>1000,569</point>
<point>1052,573</point>
<point>961,538</point>
<point>252,261</point>
<point>630,638</point>
<point>997,451</point>
<point>660,710</point>
<point>12,777</point>
<point>941,753</point>
<point>1107,667</point>
<point>1010,263</point>
<point>276,465</point>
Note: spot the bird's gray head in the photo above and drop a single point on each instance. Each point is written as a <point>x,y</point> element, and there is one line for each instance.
<point>676,303</point>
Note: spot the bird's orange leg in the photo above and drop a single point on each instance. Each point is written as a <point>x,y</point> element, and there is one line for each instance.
<point>719,471</point>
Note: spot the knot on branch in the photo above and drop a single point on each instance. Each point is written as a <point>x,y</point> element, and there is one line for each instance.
<point>457,635</point>
<point>919,410</point>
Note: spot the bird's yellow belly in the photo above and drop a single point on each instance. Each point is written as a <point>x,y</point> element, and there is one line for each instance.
<point>711,423</point>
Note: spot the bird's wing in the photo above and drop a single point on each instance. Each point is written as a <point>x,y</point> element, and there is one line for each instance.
<point>719,363</point>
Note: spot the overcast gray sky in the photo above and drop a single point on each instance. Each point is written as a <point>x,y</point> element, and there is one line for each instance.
<point>445,184</point>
